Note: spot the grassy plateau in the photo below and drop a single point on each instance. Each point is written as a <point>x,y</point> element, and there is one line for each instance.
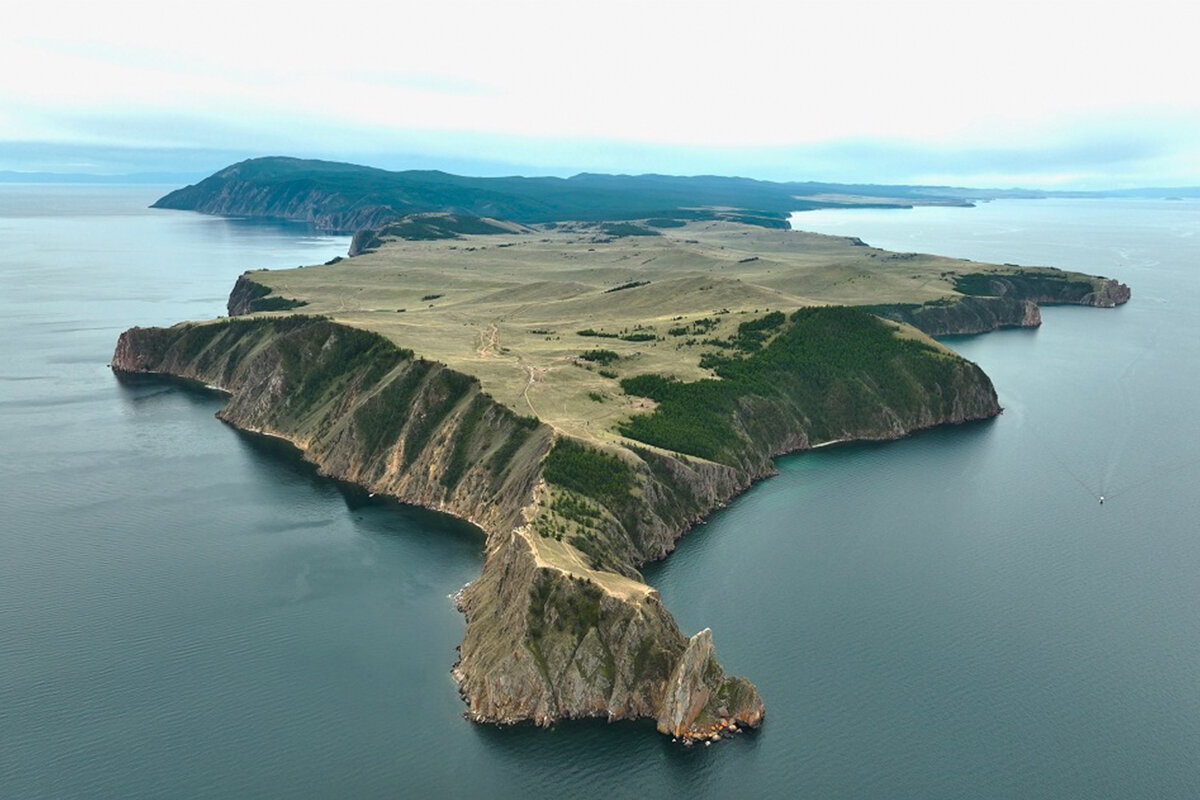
<point>552,318</point>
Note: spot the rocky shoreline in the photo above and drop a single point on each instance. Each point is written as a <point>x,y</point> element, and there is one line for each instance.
<point>1012,305</point>
<point>560,623</point>
<point>548,636</point>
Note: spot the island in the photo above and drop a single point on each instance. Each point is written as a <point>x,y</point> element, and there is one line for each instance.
<point>586,389</point>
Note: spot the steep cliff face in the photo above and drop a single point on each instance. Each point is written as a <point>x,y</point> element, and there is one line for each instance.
<point>964,315</point>
<point>360,408</point>
<point>300,199</point>
<point>1004,300</point>
<point>1045,286</point>
<point>587,646</point>
<point>691,709</point>
<point>1109,294</point>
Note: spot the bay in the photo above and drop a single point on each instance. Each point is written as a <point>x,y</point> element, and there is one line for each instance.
<point>187,611</point>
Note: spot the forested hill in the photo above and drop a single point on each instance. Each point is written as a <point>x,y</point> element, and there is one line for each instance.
<point>347,197</point>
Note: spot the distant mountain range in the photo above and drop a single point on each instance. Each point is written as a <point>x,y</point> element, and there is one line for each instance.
<point>347,197</point>
<point>340,197</point>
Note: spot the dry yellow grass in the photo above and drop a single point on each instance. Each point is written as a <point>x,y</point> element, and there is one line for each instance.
<point>506,308</point>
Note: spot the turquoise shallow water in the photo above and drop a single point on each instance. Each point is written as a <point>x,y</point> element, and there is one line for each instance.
<point>186,611</point>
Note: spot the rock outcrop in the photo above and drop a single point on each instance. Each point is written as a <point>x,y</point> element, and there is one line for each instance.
<point>964,315</point>
<point>1109,294</point>
<point>1004,300</point>
<point>591,646</point>
<point>1045,286</point>
<point>691,709</point>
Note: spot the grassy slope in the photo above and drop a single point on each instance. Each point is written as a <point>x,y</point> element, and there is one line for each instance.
<point>510,306</point>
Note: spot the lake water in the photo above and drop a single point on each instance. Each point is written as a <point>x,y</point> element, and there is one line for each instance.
<point>188,611</point>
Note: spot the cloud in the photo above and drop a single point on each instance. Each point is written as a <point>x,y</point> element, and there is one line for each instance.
<point>1075,157</point>
<point>1042,159</point>
<point>93,159</point>
<point>823,90</point>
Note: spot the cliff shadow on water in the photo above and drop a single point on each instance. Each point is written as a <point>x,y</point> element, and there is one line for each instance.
<point>139,387</point>
<point>282,454</point>
<point>285,455</point>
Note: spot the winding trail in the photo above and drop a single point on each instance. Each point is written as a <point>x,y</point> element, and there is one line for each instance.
<point>533,373</point>
<point>489,343</point>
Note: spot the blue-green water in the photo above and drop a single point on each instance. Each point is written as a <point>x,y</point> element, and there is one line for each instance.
<point>185,611</point>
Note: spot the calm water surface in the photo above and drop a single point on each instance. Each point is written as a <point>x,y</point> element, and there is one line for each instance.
<point>186,611</point>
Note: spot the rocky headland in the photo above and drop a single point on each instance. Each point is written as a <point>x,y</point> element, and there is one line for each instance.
<point>584,392</point>
<point>557,626</point>
<point>1012,299</point>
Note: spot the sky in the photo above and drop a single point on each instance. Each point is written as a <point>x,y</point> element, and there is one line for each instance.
<point>1069,95</point>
